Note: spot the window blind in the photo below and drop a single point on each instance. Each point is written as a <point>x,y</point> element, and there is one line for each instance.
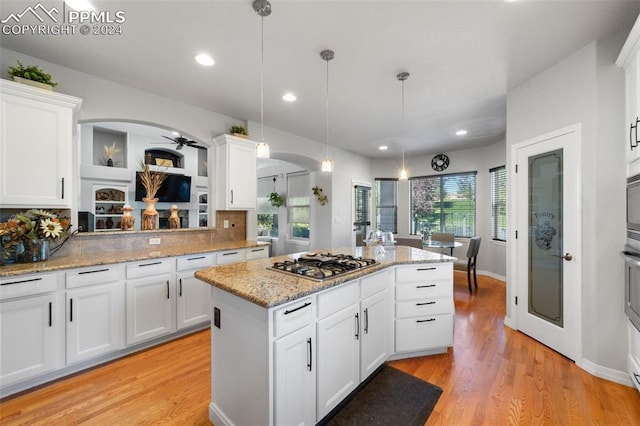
<point>498,203</point>
<point>387,204</point>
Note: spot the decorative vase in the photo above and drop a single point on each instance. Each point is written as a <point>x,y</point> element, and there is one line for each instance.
<point>174,220</point>
<point>128,221</point>
<point>150,214</point>
<point>109,223</point>
<point>29,251</point>
<point>109,162</point>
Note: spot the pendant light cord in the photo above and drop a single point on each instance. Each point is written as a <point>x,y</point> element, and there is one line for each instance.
<point>327,108</point>
<point>262,79</point>
<point>403,124</point>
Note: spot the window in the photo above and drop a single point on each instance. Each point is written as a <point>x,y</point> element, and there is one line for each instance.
<point>445,203</point>
<point>298,190</point>
<point>362,208</point>
<point>267,214</point>
<point>499,203</point>
<point>387,204</point>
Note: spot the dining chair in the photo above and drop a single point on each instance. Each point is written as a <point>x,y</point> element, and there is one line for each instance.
<point>409,241</point>
<point>472,256</point>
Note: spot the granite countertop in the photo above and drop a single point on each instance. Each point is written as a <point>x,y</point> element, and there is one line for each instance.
<point>256,283</point>
<point>56,263</point>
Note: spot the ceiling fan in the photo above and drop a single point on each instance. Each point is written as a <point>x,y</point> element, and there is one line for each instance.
<point>182,141</point>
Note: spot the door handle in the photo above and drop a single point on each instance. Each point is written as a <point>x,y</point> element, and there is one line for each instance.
<point>566,257</point>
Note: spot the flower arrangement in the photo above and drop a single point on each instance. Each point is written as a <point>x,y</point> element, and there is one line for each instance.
<point>110,151</point>
<point>151,180</point>
<point>19,232</point>
<point>238,130</point>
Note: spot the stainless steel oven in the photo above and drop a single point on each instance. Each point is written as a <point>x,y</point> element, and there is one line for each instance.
<point>633,212</point>
<point>632,286</point>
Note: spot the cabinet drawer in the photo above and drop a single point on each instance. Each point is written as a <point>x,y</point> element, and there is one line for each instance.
<point>194,262</point>
<point>148,267</point>
<point>424,272</point>
<point>257,252</point>
<point>230,256</point>
<point>375,283</point>
<point>26,285</point>
<point>429,332</point>
<point>422,290</point>
<point>423,307</point>
<point>292,316</point>
<point>337,299</point>
<point>94,275</point>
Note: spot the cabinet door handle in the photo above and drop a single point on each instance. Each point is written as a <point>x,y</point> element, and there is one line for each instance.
<point>366,321</point>
<point>425,286</point>
<point>636,376</point>
<point>22,281</point>
<point>230,254</point>
<point>196,258</point>
<point>426,303</point>
<point>309,355</point>
<point>633,142</point>
<point>180,287</point>
<point>70,310</point>
<point>426,320</point>
<point>50,314</point>
<point>290,311</point>
<point>63,188</point>
<point>232,196</point>
<point>93,272</point>
<point>149,264</point>
<point>357,327</point>
<point>168,295</point>
<point>426,269</point>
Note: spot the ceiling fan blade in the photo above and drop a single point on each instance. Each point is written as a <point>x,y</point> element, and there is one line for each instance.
<point>179,147</point>
<point>171,139</point>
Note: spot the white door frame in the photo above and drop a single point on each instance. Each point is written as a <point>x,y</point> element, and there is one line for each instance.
<point>576,299</point>
<point>353,206</point>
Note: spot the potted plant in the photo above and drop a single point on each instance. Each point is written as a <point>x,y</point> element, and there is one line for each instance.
<point>32,75</point>
<point>276,199</point>
<point>238,130</point>
<point>110,151</point>
<point>322,198</point>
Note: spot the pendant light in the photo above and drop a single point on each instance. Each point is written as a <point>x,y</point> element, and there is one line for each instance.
<point>402,77</point>
<point>262,8</point>
<point>327,163</point>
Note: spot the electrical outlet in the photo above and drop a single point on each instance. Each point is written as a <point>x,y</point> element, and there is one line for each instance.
<point>225,224</point>
<point>154,241</point>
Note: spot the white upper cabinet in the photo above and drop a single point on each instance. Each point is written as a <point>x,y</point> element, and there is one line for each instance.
<point>629,60</point>
<point>36,146</point>
<point>236,176</point>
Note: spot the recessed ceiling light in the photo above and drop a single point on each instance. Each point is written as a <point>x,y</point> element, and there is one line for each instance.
<point>80,5</point>
<point>461,132</point>
<point>204,59</point>
<point>383,147</point>
<point>289,97</point>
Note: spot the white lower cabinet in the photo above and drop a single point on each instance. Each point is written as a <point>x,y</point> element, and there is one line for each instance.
<point>31,327</point>
<point>193,296</point>
<point>375,311</point>
<point>150,301</point>
<point>338,346</point>
<point>94,311</point>
<point>294,359</point>
<point>424,308</point>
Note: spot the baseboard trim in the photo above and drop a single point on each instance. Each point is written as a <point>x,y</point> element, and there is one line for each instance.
<point>616,376</point>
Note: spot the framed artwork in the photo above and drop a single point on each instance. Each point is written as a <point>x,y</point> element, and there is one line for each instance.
<point>164,162</point>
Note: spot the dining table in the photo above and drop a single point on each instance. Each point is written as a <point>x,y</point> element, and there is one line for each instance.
<point>433,244</point>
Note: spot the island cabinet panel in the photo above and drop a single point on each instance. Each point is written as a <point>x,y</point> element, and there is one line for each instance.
<point>36,136</point>
<point>94,311</point>
<point>374,345</point>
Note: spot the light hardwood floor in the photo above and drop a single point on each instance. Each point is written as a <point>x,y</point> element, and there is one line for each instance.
<point>493,375</point>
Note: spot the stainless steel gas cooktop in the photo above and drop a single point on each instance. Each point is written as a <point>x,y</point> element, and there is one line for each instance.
<point>320,266</point>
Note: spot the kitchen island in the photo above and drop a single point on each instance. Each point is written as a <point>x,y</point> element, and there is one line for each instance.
<point>286,349</point>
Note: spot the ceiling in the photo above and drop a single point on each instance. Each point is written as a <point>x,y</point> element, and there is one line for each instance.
<point>463,57</point>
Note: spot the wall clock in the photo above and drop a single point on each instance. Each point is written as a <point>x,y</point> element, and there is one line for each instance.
<point>439,162</point>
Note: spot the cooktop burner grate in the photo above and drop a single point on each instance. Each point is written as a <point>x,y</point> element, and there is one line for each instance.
<point>319,266</point>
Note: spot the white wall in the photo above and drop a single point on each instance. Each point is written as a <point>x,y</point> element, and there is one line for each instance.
<point>587,88</point>
<point>492,256</point>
